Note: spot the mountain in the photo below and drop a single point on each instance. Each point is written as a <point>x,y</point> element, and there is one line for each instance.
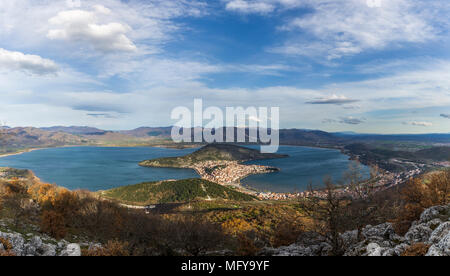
<point>212,152</point>
<point>422,138</point>
<point>435,154</point>
<point>149,131</point>
<point>317,138</point>
<point>76,130</point>
<point>28,137</point>
<point>386,158</point>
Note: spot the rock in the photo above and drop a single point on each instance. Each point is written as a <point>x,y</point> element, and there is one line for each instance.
<point>436,212</point>
<point>374,250</point>
<point>440,232</point>
<point>383,231</point>
<point>48,250</point>
<point>418,233</point>
<point>349,238</point>
<point>72,250</point>
<point>433,228</point>
<point>433,224</point>
<point>17,242</point>
<point>310,238</point>
<point>440,249</point>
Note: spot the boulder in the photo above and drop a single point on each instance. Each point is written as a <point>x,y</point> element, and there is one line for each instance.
<point>436,212</point>
<point>72,250</point>
<point>383,231</point>
<point>418,233</point>
<point>440,249</point>
<point>440,232</point>
<point>17,242</point>
<point>374,250</point>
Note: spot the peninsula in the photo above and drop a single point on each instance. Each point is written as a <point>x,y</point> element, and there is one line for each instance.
<point>218,163</point>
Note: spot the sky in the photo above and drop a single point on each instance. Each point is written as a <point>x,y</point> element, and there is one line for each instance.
<point>368,66</point>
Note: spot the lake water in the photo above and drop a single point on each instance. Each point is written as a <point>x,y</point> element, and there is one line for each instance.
<point>98,168</point>
<point>303,166</point>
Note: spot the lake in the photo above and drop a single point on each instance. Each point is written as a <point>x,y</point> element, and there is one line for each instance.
<point>99,168</point>
<point>303,166</point>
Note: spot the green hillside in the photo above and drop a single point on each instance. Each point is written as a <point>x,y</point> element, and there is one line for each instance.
<point>211,152</point>
<point>174,192</point>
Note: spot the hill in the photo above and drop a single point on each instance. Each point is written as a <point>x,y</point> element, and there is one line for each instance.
<point>76,130</point>
<point>162,132</point>
<point>180,191</point>
<point>389,159</point>
<point>435,154</point>
<point>14,139</point>
<point>211,152</point>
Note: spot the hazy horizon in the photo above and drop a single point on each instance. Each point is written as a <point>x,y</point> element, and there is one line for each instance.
<point>133,128</point>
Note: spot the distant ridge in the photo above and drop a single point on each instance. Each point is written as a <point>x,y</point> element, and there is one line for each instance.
<point>77,130</point>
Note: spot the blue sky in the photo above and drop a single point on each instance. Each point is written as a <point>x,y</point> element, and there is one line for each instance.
<point>372,66</point>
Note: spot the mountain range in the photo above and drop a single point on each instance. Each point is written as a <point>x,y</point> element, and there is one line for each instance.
<point>18,138</point>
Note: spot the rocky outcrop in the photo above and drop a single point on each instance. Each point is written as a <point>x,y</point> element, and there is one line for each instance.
<point>33,245</point>
<point>433,229</point>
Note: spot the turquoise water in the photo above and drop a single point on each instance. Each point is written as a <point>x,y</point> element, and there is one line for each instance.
<point>97,168</point>
<point>302,167</point>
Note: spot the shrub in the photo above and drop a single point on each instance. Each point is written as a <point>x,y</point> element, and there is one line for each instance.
<point>53,223</point>
<point>111,249</point>
<point>420,194</point>
<point>418,249</point>
<point>236,226</point>
<point>6,244</point>
<point>7,251</point>
<point>247,244</point>
<point>286,233</point>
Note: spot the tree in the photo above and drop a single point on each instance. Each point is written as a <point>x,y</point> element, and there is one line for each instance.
<point>329,215</point>
<point>53,223</point>
<point>196,236</point>
<point>420,194</point>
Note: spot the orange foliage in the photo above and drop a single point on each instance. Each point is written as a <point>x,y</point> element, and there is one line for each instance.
<point>6,244</point>
<point>236,226</point>
<point>416,250</point>
<point>53,223</point>
<point>111,249</point>
<point>420,194</point>
<point>7,248</point>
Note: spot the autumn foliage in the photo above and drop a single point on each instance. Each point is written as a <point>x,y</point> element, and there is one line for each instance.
<point>420,194</point>
<point>416,250</point>
<point>6,248</point>
<point>112,248</point>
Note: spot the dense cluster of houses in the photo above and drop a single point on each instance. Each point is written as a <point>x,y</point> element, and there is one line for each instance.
<point>228,172</point>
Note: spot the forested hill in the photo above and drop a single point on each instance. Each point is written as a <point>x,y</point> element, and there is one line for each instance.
<point>180,191</point>
<point>212,152</point>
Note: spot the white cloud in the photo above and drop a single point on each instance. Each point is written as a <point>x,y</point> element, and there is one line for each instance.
<point>249,6</point>
<point>81,26</point>
<point>333,99</point>
<point>33,64</point>
<point>260,6</point>
<point>422,124</point>
<point>345,28</point>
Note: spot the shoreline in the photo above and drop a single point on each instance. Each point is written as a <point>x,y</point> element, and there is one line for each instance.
<point>20,152</point>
